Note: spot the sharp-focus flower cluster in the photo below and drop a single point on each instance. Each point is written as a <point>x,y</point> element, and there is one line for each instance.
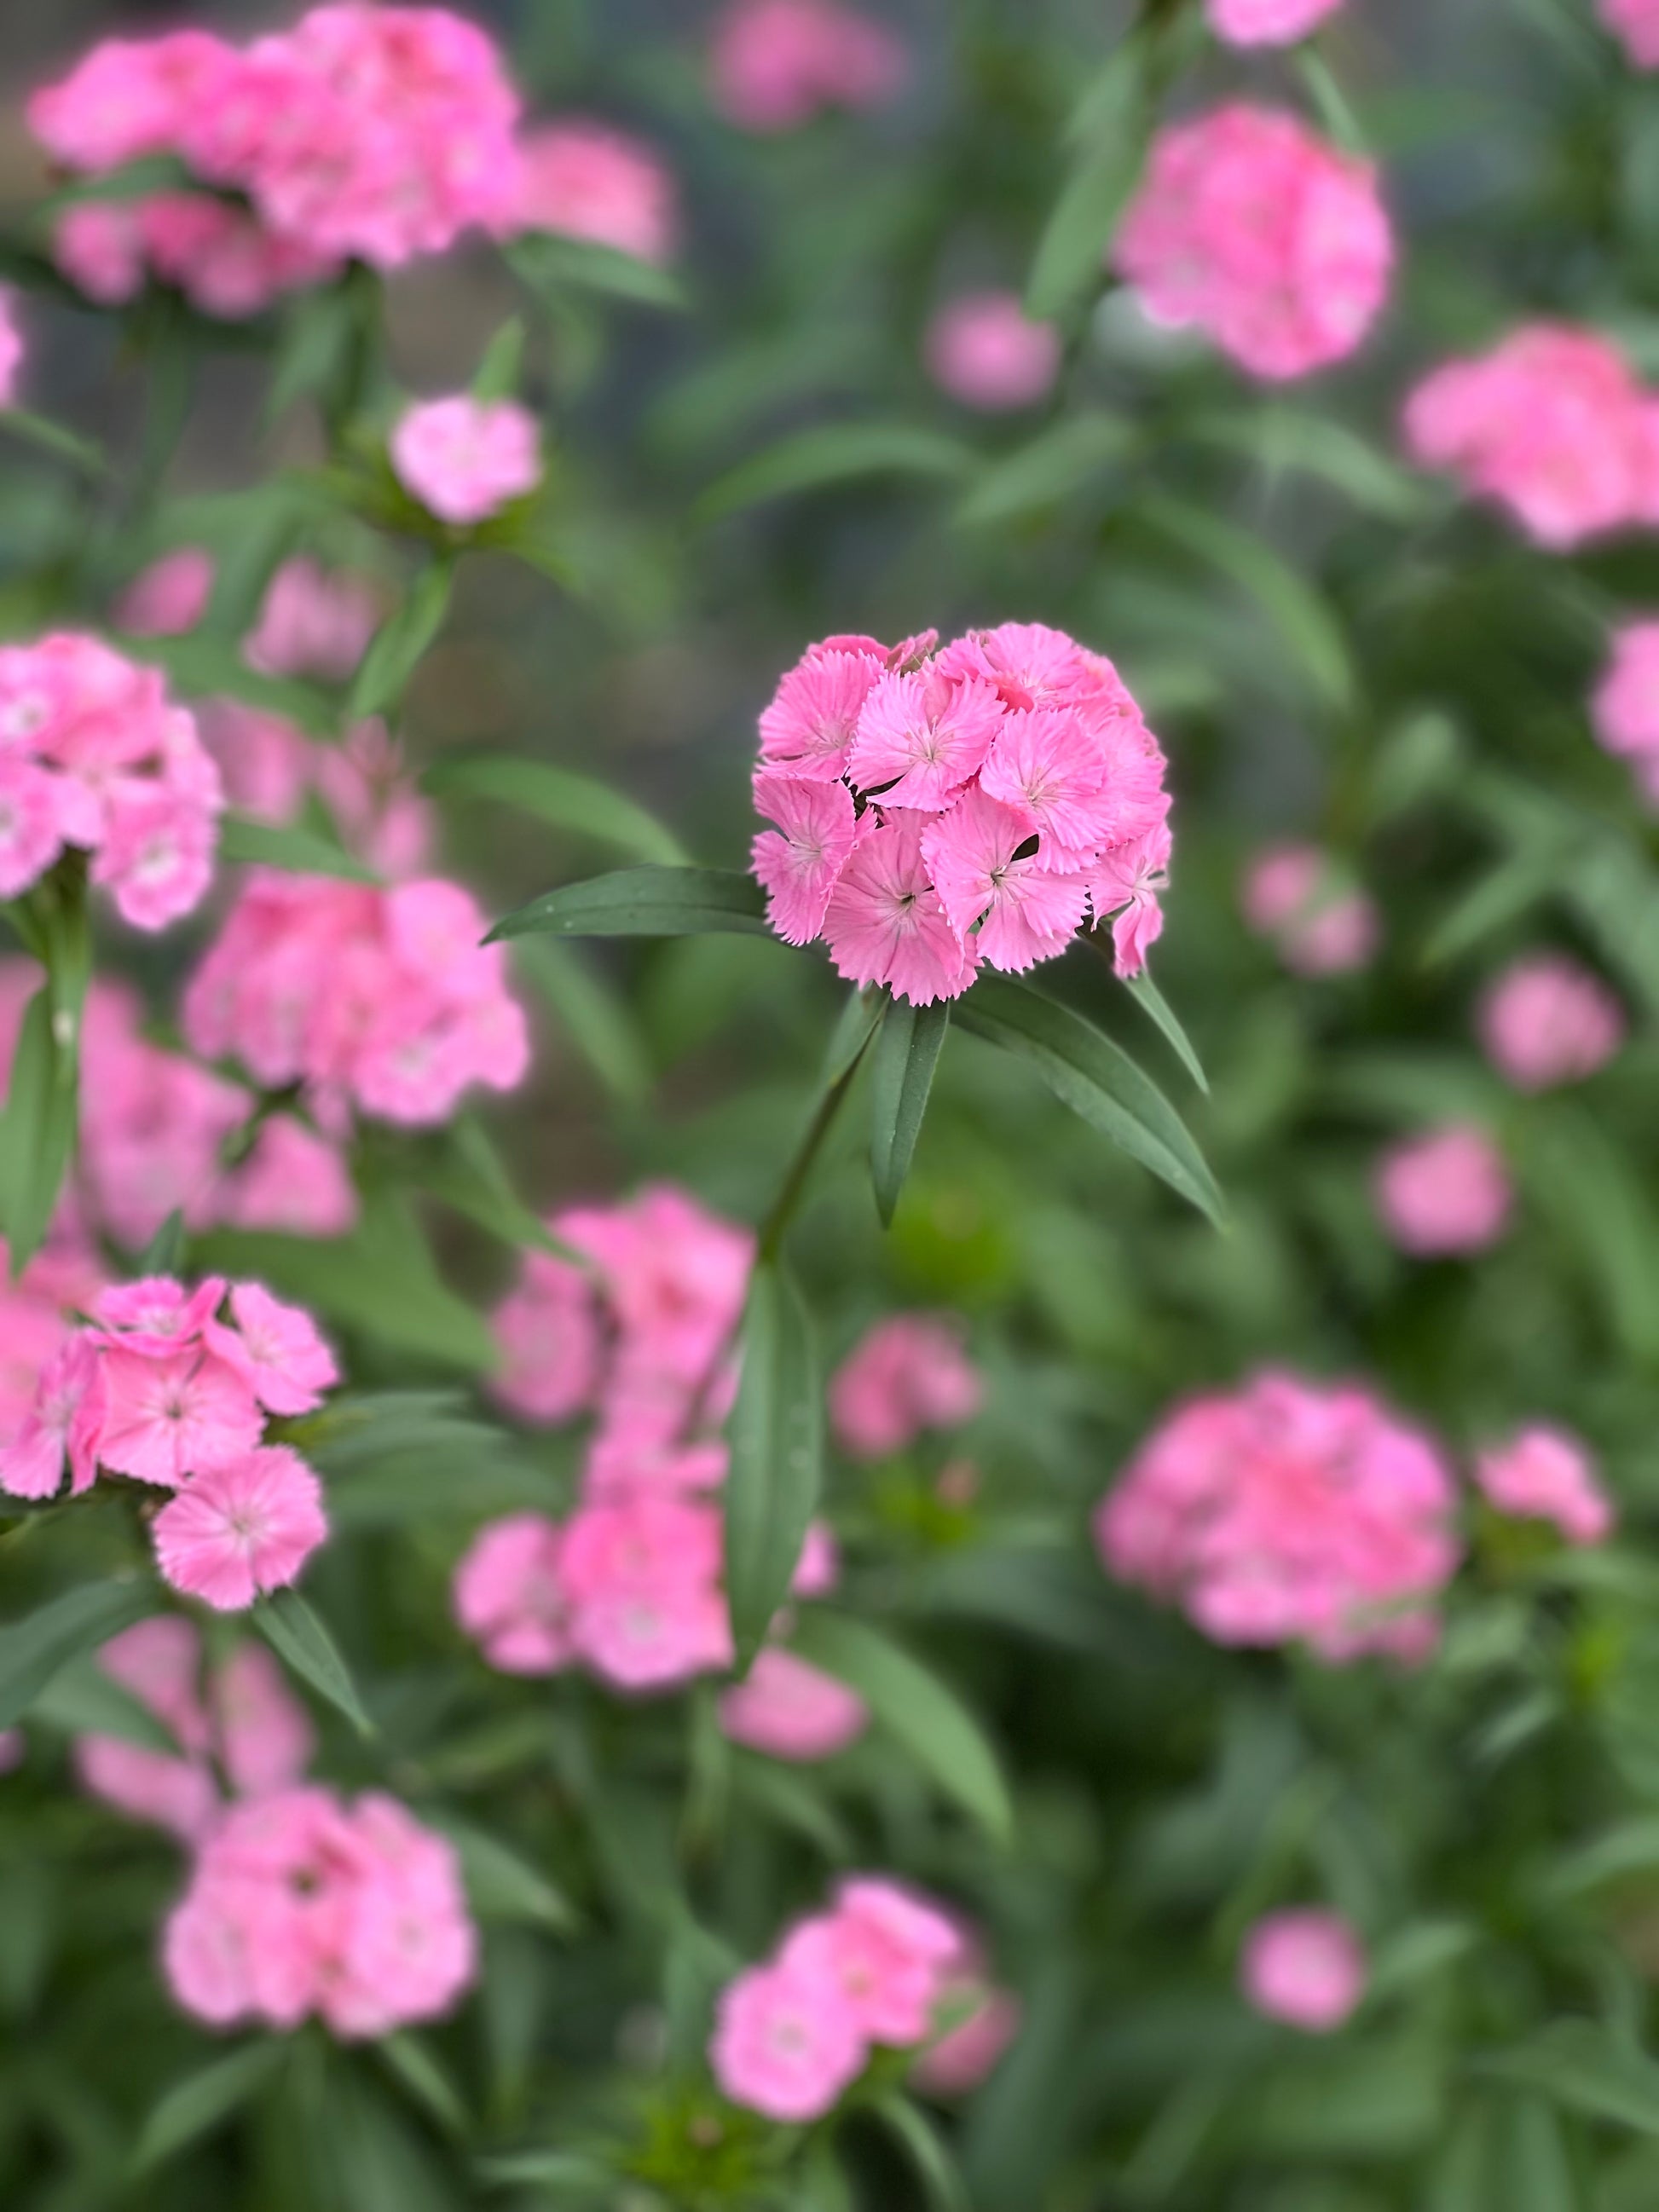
<point>465,459</point>
<point>775,65</point>
<point>298,1905</point>
<point>1635,24</point>
<point>1251,227</point>
<point>1267,22</point>
<point>790,2035</point>
<point>1546,1020</point>
<point>1288,1511</point>
<point>381,999</point>
<point>11,347</point>
<point>93,754</point>
<point>584,179</point>
<point>161,1385</point>
<point>1625,710</point>
<point>1304,1966</point>
<point>1318,924</point>
<point>983,350</point>
<point>936,808</point>
<point>1445,1192</point>
<point>1543,1475</point>
<point>1554,424</point>
<point>905,1374</point>
<point>242,1723</point>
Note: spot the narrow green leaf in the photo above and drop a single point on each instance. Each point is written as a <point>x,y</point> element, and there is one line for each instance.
<point>1052,467</point>
<point>52,438</point>
<point>81,1699</point>
<point>36,1130</point>
<point>1095,1078</point>
<point>1517,885</point>
<point>34,1648</point>
<point>776,1432</point>
<point>929,2154</point>
<point>1111,136</point>
<point>550,264</point>
<point>132,180</point>
<point>644,903</point>
<point>900,1079</point>
<point>460,1166</point>
<point>503,362</point>
<point>1281,438</point>
<point>413,2065</point>
<point>562,2172</point>
<point>299,1640</point>
<point>931,1721</point>
<point>860,1017</point>
<point>201,666</point>
<point>281,845</point>
<point>1152,1002</point>
<point>396,647</point>
<point>597,1018</point>
<point>204,2100</point>
<point>831,453</point>
<point>164,1255</point>
<point>1585,2067</point>
<point>501,1885</point>
<point>558,796</point>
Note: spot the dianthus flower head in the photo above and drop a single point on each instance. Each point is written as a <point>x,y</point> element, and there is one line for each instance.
<point>1542,1473</point>
<point>983,350</point>
<point>1250,227</point>
<point>1445,1192</point>
<point>244,1527</point>
<point>508,1597</point>
<point>1267,22</point>
<point>465,459</point>
<point>1288,1511</point>
<point>775,65</point>
<point>583,179</point>
<point>1635,24</point>
<point>781,2049</point>
<point>312,621</point>
<point>791,1709</point>
<point>1305,1967</point>
<point>904,1375</point>
<point>1318,923</point>
<point>880,1952</point>
<point>1547,1020</point>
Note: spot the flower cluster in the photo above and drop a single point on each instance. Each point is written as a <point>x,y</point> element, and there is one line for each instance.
<point>1542,1475</point>
<point>1304,1966</point>
<point>1250,227</point>
<point>160,1386</point>
<point>936,808</point>
<point>243,1724</point>
<point>905,1374</point>
<point>1267,22</point>
<point>983,350</point>
<point>312,621</point>
<point>584,179</point>
<point>1625,710</point>
<point>1318,924</point>
<point>790,2035</point>
<point>1547,1020</point>
<point>1554,424</point>
<point>272,769</point>
<point>1444,1193</point>
<point>380,998</point>
<point>1288,1510</point>
<point>298,1905</point>
<point>465,459</point>
<point>776,64</point>
<point>1635,24</point>
<point>93,754</point>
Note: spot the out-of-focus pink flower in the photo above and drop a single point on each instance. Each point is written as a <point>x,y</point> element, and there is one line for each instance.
<point>584,179</point>
<point>221,257</point>
<point>987,2020</point>
<point>270,768</point>
<point>905,1374</point>
<point>127,99</point>
<point>782,2047</point>
<point>1251,227</point>
<point>315,622</point>
<point>791,1710</point>
<point>1624,709</point>
<point>547,1332</point>
<point>1267,22</point>
<point>983,350</point>
<point>884,1952</point>
<point>1445,1192</point>
<point>1543,1474</point>
<point>1635,24</point>
<point>1305,1967</point>
<point>11,347</point>
<point>464,459</point>
<point>1551,424</point>
<point>35,1324</point>
<point>1288,1510</point>
<point>99,247</point>
<point>1292,895</point>
<point>643,1578</point>
<point>1547,1020</point>
<point>294,1180</point>
<point>242,1529</point>
<point>170,597</point>
<point>13,1747</point>
<point>775,65</point>
<point>509,1597</point>
<point>277,1349</point>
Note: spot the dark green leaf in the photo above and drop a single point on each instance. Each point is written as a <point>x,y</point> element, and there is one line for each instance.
<point>558,796</point>
<point>398,645</point>
<point>164,1255</point>
<point>34,1648</point>
<point>550,264</point>
<point>836,453</point>
<point>901,1078</point>
<point>1110,135</point>
<point>133,180</point>
<point>1147,995</point>
<point>1281,438</point>
<point>412,2063</point>
<point>1585,2066</point>
<point>562,2173</point>
<point>1493,900</point>
<point>503,363</point>
<point>776,1432</point>
<point>499,1885</point>
<point>52,438</point>
<point>280,845</point>
<point>36,1130</point>
<point>204,2100</point>
<point>928,2152</point>
<point>644,903</point>
<point>299,1640</point>
<point>460,1166</point>
<point>1051,468</point>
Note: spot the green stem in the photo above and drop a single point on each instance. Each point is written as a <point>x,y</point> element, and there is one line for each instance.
<point>783,1205</point>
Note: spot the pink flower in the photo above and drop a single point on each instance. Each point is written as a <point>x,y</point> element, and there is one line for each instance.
<point>245,1528</point>
<point>167,1418</point>
<point>1305,1967</point>
<point>100,248</point>
<point>905,1374</point>
<point>409,1948</point>
<point>276,1349</point>
<point>775,64</point>
<point>1547,1020</point>
<point>170,597</point>
<point>1288,1510</point>
<point>465,459</point>
<point>157,852</point>
<point>508,1597</point>
<point>547,1335</point>
<point>791,1710</point>
<point>647,1609</point>
<point>1249,226</point>
<point>12,348</point>
<point>584,179</point>
<point>1448,1191</point>
<point>982,349</point>
<point>265,1739</point>
<point>314,622</point>
<point>1551,424</point>
<point>1267,22</point>
<point>885,922</point>
<point>128,98</point>
<point>1635,24</point>
<point>1293,895</point>
<point>780,2047</point>
<point>292,1180</point>
<point>989,880</point>
<point>808,730</point>
<point>61,1425</point>
<point>882,1954</point>
<point>800,861</point>
<point>1624,709</point>
<point>921,739</point>
<point>31,824</point>
<point>965,2055</point>
<point>1542,1473</point>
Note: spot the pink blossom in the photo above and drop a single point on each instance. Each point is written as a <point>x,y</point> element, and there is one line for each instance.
<point>818,1568</point>
<point>157,851</point>
<point>988,881</point>
<point>276,1350</point>
<point>1635,24</point>
<point>1448,1191</point>
<point>643,1581</point>
<point>167,1418</point>
<point>1543,1474</point>
<point>921,739</point>
<point>807,731</point>
<point>509,1599</point>
<point>582,178</point>
<point>987,2020</point>
<point>982,349</point>
<point>1304,1966</point>
<point>61,1425</point>
<point>100,248</point>
<point>314,622</point>
<point>800,862</point>
<point>265,1739</point>
<point>35,1324</point>
<point>881,1952</point>
<point>1547,1020</point>
<point>885,922</point>
<point>170,597</point>
<point>221,257</point>
<point>1267,22</point>
<point>12,348</point>
<point>31,824</point>
<point>1288,1510</point>
<point>1251,226</point>
<point>905,1374</point>
<point>1624,709</point>
<point>791,1710</point>
<point>780,2047</point>
<point>547,1333</point>
<point>1551,424</point>
<point>775,65</point>
<point>244,1527</point>
<point>465,459</point>
<point>1293,895</point>
<point>294,1180</point>
<point>128,98</point>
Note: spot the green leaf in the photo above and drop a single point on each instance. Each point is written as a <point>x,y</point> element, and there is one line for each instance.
<point>299,1640</point>
<point>281,845</point>
<point>133,180</point>
<point>550,264</point>
<point>1095,1078</point>
<point>52,438</point>
<point>1153,1003</point>
<point>413,2065</point>
<point>33,1649</point>
<point>201,666</point>
<point>560,797</point>
<point>1051,468</point>
<point>929,2154</point>
<point>831,453</point>
<point>1111,128</point>
<point>499,1884</point>
<point>204,2100</point>
<point>81,1699</point>
<point>1517,885</point>
<point>901,1078</point>
<point>460,1166</point>
<point>1585,2067</point>
<point>597,1020</point>
<point>39,1126</point>
<point>503,363</point>
<point>561,2172</point>
<point>937,1729</point>
<point>1281,438</point>
<point>402,638</point>
<point>644,903</point>
<point>1588,1186</point>
<point>776,1432</point>
<point>164,1255</point>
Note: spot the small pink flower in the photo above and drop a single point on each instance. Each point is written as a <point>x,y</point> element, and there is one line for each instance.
<point>167,1418</point>
<point>277,1349</point>
<point>1543,1474</point>
<point>1267,22</point>
<point>12,348</point>
<point>127,98</point>
<point>1547,1020</point>
<point>791,1710</point>
<point>921,738</point>
<point>1305,1967</point>
<point>63,1423</point>
<point>781,2048</point>
<point>100,248</point>
<point>1446,1192</point>
<point>775,64</point>
<point>314,622</point>
<point>1624,709</point>
<point>31,822</point>
<point>994,878</point>
<point>982,349</point>
<point>509,1595</point>
<point>465,459</point>
<point>547,1334</point>
<point>584,179</point>
<point>245,1528</point>
<point>800,861</point>
<point>170,597</point>
<point>1635,24</point>
<point>882,1952</point>
<point>967,2054</point>
<point>156,854</point>
<point>807,731</point>
<point>1293,895</point>
<point>905,1374</point>
<point>885,922</point>
<point>294,1180</point>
